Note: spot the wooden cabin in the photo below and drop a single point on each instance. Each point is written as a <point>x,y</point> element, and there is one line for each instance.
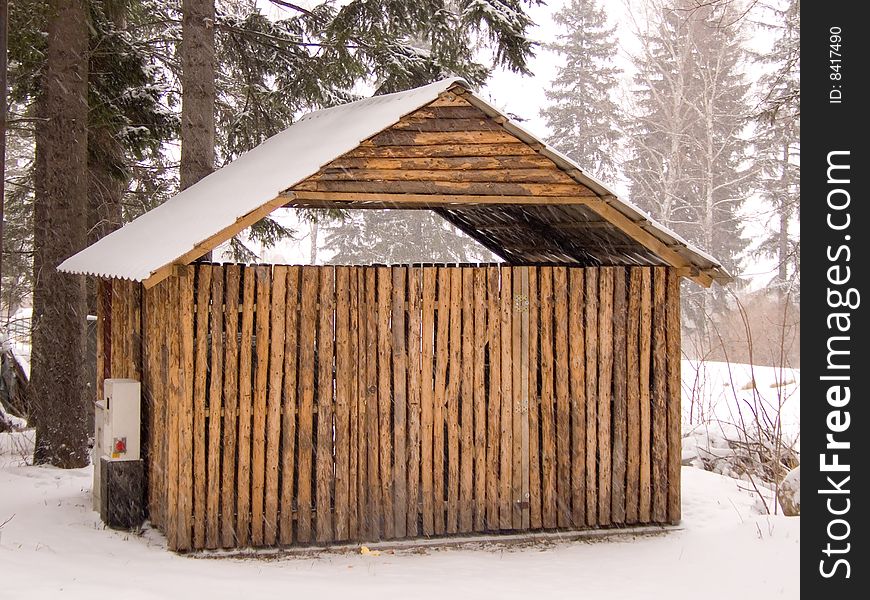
<point>290,405</point>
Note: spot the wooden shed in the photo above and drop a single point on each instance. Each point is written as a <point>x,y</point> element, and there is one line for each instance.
<point>291,405</point>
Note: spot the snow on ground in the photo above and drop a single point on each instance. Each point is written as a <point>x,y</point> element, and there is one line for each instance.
<point>724,391</point>
<point>55,545</point>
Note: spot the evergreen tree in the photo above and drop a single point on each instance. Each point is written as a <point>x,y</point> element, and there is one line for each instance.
<point>58,388</point>
<point>688,151</point>
<point>400,237</point>
<point>777,144</point>
<point>273,70</point>
<point>582,115</point>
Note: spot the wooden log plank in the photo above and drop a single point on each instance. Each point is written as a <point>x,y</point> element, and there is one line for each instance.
<point>260,398</point>
<point>563,406</point>
<point>344,374</point>
<point>354,459</point>
<point>367,150</point>
<point>534,403</point>
<point>148,371</point>
<point>374,496</point>
<point>645,336</point>
<point>305,395</point>
<point>427,200</point>
<point>200,468</point>
<point>385,442</point>
<point>103,333</point>
<point>507,403</point>
<point>659,400</point>
<point>289,404</point>
<point>493,414</point>
<point>479,397</point>
<point>153,380</point>
<point>524,461</point>
<point>453,389</point>
<point>215,408</point>
<point>632,409</point>
<point>416,123</point>
<point>468,175</point>
<point>620,375</point>
<point>549,460</point>
<point>439,409</point>
<point>118,328</point>
<point>245,407</point>
<point>577,387</point>
<point>451,163</point>
<point>172,310</point>
<point>363,510</point>
<point>136,330</point>
<point>230,408</point>
<point>277,344</point>
<point>446,187</point>
<point>150,393</point>
<point>673,395</point>
<point>448,99</point>
<point>415,284</point>
<point>325,398</point>
<point>448,112</point>
<point>517,304</point>
<point>466,405</point>
<point>157,383</point>
<point>412,138</point>
<point>165,318</point>
<point>427,399</point>
<point>400,402</point>
<point>591,347</point>
<point>605,384</point>
<point>185,411</point>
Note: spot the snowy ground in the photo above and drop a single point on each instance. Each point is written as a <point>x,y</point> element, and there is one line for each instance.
<point>54,545</point>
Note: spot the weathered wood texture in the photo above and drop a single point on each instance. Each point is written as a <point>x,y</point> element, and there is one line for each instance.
<point>297,405</point>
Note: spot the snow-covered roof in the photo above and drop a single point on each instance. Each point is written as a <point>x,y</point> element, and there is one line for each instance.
<point>171,230</point>
<point>214,209</point>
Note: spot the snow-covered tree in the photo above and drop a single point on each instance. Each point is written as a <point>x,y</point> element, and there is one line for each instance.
<point>777,145</point>
<point>582,115</point>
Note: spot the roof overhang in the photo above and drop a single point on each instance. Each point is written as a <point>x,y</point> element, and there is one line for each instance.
<point>270,176</point>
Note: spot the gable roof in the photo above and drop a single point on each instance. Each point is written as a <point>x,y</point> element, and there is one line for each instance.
<point>578,222</point>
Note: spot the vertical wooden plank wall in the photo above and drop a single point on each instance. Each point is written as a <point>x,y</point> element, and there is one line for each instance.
<point>295,405</point>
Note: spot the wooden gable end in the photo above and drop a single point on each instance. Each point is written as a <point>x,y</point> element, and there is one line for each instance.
<point>448,151</point>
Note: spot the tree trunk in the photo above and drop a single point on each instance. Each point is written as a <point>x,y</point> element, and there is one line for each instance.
<point>782,242</point>
<point>198,95</point>
<point>58,391</point>
<point>4,18</point>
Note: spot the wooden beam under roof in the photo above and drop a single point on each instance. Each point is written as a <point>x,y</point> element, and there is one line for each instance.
<point>310,199</point>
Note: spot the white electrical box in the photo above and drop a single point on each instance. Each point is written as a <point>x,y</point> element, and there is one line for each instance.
<point>121,424</point>
<point>117,426</point>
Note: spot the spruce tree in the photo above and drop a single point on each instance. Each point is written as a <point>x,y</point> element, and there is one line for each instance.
<point>582,114</point>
